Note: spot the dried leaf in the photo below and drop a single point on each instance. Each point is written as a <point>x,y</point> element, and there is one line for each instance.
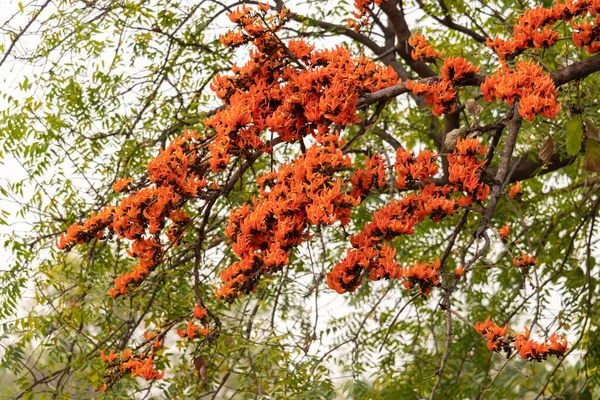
<point>547,150</point>
<point>473,107</point>
<point>591,130</point>
<point>200,365</point>
<point>591,162</point>
<point>452,137</point>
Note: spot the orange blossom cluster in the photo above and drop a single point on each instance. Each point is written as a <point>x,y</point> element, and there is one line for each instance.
<point>362,13</point>
<point>254,26</point>
<point>373,175</point>
<point>465,169</point>
<point>524,261</point>
<point>442,93</point>
<point>425,275</point>
<point>369,254</point>
<point>498,340</point>
<point>191,328</point>
<point>121,184</point>
<point>178,175</point>
<point>291,90</point>
<point>515,191</point>
<point>422,49</point>
<point>496,337</point>
<point>504,231</point>
<point>587,34</point>
<point>292,197</point>
<point>126,362</point>
<point>532,28</point>
<point>533,88</point>
<point>533,350</point>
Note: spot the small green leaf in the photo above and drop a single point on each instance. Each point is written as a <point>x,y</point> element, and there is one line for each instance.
<point>21,7</point>
<point>591,162</point>
<point>574,136</point>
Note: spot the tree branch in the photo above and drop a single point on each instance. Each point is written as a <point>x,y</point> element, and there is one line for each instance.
<point>22,31</point>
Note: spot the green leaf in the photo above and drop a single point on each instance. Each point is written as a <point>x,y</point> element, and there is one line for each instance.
<point>591,162</point>
<point>21,7</point>
<point>574,136</point>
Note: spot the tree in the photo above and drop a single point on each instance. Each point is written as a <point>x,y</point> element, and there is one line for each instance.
<point>194,216</point>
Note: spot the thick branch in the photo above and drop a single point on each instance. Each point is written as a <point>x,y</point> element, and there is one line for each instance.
<point>449,23</point>
<point>501,173</point>
<point>339,29</point>
<point>524,167</point>
<point>396,16</point>
<point>577,70</point>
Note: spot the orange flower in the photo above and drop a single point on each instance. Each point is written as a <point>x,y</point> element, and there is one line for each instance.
<point>363,12</point>
<point>495,336</point>
<point>529,83</point>
<point>524,260</point>
<point>111,357</point>
<point>424,275</point>
<point>199,312</point>
<point>558,347</point>
<point>530,349</point>
<point>504,231</point>
<point>264,7</point>
<point>121,184</point>
<point>515,191</point>
<point>460,270</point>
<point>127,354</point>
<point>422,49</point>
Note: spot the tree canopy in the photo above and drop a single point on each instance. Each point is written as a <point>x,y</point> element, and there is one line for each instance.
<point>316,199</point>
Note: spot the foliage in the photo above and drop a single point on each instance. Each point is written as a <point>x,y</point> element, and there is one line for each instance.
<point>223,202</point>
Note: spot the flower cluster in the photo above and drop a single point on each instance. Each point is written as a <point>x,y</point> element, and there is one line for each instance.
<point>370,255</point>
<point>410,169</point>
<point>292,90</point>
<point>533,28</point>
<point>93,227</point>
<point>362,13</point>
<point>587,34</point>
<point>425,275</point>
<point>126,362</point>
<point>121,184</point>
<point>373,175</point>
<point>524,261</point>
<point>254,26</point>
<point>504,231</point>
<point>178,175</point>
<point>495,336</point>
<point>498,340</point>
<point>191,328</point>
<point>440,94</point>
<point>305,192</point>
<point>465,169</point>
<point>538,351</point>
<point>422,49</point>
<point>515,191</point>
<point>527,83</point>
